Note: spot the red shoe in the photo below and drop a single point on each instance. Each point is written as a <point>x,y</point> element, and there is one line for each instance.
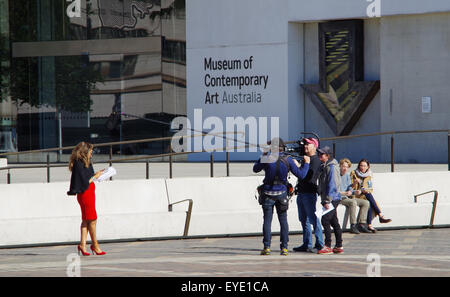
<point>81,252</point>
<point>325,251</point>
<point>98,254</point>
<point>338,250</point>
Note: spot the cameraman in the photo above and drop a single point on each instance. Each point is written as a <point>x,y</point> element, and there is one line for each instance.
<point>276,166</point>
<point>307,199</point>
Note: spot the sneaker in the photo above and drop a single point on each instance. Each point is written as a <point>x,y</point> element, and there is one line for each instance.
<point>265,251</point>
<point>325,251</point>
<point>338,250</point>
<point>354,229</point>
<point>284,252</point>
<point>363,228</point>
<point>301,248</point>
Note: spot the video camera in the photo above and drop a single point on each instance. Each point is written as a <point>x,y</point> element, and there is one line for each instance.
<point>297,150</point>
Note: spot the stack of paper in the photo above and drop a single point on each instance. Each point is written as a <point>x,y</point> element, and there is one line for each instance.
<point>107,173</point>
<point>323,211</point>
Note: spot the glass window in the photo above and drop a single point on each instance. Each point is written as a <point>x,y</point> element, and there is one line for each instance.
<point>49,20</point>
<point>92,88</point>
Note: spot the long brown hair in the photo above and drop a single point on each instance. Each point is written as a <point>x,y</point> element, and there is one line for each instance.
<point>81,152</point>
<point>366,161</point>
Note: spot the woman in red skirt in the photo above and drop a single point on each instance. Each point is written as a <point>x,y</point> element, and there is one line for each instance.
<point>82,185</point>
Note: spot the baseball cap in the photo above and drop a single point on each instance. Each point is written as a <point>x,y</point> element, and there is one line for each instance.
<point>325,150</point>
<point>313,141</point>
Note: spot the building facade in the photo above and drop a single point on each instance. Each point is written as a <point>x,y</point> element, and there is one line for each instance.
<point>97,70</point>
<point>333,68</point>
<point>119,70</point>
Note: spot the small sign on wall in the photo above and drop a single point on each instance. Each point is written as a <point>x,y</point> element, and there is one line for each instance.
<point>426,104</point>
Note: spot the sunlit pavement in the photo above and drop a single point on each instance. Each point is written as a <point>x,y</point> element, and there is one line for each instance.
<point>410,252</point>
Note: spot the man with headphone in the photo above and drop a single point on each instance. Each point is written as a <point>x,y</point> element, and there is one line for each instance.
<point>276,166</point>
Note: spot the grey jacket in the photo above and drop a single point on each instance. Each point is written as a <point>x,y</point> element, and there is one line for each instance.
<point>329,182</point>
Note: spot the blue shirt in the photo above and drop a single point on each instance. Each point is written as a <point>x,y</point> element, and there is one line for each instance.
<point>270,172</point>
<point>346,183</point>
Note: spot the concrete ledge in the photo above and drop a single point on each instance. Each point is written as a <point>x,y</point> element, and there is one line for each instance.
<point>3,162</point>
<point>42,213</point>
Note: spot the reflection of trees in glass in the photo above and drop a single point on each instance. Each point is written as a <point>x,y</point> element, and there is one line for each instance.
<point>22,20</point>
<point>42,20</point>
<point>177,7</point>
<point>74,79</point>
<point>4,67</point>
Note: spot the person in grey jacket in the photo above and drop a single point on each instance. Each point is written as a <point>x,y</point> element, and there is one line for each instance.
<point>329,184</point>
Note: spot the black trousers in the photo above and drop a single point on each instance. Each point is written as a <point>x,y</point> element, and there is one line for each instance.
<point>331,220</point>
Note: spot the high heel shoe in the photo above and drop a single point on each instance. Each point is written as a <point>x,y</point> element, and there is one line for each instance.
<point>81,252</point>
<point>94,252</point>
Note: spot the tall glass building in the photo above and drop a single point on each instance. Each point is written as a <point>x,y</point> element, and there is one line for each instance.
<point>92,70</point>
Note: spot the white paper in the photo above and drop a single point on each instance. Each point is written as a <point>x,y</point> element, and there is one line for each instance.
<point>110,171</point>
<point>323,211</point>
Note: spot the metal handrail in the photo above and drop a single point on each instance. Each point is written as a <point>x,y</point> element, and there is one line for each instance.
<point>188,214</point>
<point>170,155</point>
<point>55,149</point>
<point>433,210</point>
<point>110,161</point>
<point>392,133</point>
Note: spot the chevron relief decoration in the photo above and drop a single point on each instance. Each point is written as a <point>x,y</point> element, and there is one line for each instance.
<point>342,95</point>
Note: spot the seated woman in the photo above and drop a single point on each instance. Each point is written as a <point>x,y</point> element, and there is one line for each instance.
<point>362,185</point>
<point>351,203</point>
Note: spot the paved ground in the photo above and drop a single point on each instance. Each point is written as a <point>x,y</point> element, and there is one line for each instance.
<point>414,252</point>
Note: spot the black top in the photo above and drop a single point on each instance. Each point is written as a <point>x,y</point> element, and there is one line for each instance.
<point>309,183</point>
<point>79,181</point>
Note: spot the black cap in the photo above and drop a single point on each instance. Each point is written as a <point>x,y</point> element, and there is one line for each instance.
<point>276,140</point>
<point>325,150</point>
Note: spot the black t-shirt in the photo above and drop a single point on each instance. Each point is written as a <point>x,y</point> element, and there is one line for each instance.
<point>79,181</point>
<point>309,183</point>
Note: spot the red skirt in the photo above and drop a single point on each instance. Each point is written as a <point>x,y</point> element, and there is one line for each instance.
<point>87,203</point>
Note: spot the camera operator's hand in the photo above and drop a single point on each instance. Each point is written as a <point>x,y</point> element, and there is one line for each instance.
<point>307,159</point>
<point>358,192</point>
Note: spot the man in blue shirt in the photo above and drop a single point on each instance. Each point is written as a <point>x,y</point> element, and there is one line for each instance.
<point>276,166</point>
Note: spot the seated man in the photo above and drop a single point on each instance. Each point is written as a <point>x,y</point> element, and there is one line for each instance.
<point>350,203</point>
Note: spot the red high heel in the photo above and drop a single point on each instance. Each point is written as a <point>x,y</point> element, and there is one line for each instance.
<point>80,251</point>
<point>98,254</point>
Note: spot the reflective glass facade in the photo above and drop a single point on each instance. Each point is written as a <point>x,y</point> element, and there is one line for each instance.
<point>68,72</point>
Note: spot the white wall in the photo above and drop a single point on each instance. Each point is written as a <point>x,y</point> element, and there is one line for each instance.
<point>406,48</point>
<point>415,55</point>
<point>319,10</point>
<point>43,213</point>
<point>226,30</point>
